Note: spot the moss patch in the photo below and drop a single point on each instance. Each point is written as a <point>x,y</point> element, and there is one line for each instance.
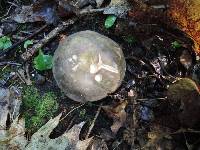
<point>37,108</point>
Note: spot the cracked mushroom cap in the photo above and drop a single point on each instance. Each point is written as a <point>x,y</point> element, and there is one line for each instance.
<point>87,66</point>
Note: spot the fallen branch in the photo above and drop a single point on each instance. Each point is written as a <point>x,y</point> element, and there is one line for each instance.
<point>30,52</point>
<point>8,50</point>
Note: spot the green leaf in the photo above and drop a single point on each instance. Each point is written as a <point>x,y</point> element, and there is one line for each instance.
<point>176,44</point>
<point>27,43</point>
<point>5,42</point>
<point>110,20</point>
<point>43,62</point>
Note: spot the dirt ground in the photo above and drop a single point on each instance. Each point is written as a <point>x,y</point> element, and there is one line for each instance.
<point>156,54</point>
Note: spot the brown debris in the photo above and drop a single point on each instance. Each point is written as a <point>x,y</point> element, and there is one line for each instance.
<point>186,15</point>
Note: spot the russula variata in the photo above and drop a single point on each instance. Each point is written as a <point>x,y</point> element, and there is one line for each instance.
<point>87,66</point>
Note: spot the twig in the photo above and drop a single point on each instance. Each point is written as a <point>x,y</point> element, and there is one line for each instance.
<point>21,74</point>
<point>9,63</point>
<point>30,52</point>
<point>93,122</point>
<point>7,12</point>
<point>88,11</point>
<point>149,99</point>
<point>72,111</point>
<point>28,79</point>
<point>6,51</point>
<point>13,4</point>
<point>183,130</point>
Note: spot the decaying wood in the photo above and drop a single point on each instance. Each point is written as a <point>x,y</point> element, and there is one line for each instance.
<point>184,14</point>
<point>30,52</point>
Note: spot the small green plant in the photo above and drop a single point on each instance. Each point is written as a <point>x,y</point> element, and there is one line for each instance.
<point>43,62</point>
<point>176,44</point>
<point>37,108</point>
<point>28,43</point>
<point>110,21</point>
<point>82,113</point>
<point>5,42</point>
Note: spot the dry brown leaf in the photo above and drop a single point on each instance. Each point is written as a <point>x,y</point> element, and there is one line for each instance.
<point>98,144</point>
<point>10,101</point>
<point>69,140</point>
<point>14,137</point>
<point>25,14</point>
<point>118,8</point>
<point>186,14</point>
<point>118,114</point>
<point>158,140</point>
<point>186,59</point>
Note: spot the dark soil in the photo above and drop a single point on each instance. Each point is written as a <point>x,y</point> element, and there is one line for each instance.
<point>152,63</point>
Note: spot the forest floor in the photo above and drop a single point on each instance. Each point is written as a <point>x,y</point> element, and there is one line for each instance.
<point>142,114</point>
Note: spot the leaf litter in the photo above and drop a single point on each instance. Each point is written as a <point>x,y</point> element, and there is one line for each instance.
<point>159,65</point>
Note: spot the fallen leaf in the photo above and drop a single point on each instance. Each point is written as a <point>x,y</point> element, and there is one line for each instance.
<point>25,14</point>
<point>43,62</point>
<point>5,42</point>
<point>98,144</point>
<point>69,140</point>
<point>118,8</point>
<point>110,20</point>
<point>27,43</point>
<point>10,101</point>
<point>14,138</point>
<point>186,59</point>
<point>85,3</point>
<point>176,44</point>
<point>118,114</point>
<point>186,15</point>
<point>158,139</point>
<point>45,10</point>
<point>46,13</point>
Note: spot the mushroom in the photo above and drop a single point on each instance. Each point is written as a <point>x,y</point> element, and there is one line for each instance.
<point>87,66</point>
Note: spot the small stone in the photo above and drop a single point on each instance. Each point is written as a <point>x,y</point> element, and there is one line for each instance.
<point>87,66</point>
<point>184,96</point>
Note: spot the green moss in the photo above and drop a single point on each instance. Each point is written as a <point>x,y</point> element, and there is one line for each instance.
<point>30,97</point>
<point>47,106</point>
<point>181,90</point>
<point>184,84</point>
<point>37,108</point>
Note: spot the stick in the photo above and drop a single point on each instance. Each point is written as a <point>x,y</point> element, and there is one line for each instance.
<point>30,52</point>
<point>93,122</point>
<point>72,111</point>
<point>8,50</point>
<point>9,63</point>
